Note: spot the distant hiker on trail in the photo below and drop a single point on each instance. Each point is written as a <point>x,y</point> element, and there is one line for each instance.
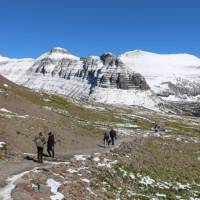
<point>113,136</point>
<point>157,127</point>
<point>107,138</point>
<point>40,142</point>
<point>50,144</point>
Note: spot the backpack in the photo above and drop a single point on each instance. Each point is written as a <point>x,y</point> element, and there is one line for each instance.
<point>39,142</point>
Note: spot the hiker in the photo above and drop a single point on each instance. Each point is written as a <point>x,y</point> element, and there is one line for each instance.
<point>50,144</point>
<point>113,136</point>
<point>157,127</point>
<point>107,138</point>
<point>40,142</point>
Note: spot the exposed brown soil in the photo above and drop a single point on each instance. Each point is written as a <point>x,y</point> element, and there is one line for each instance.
<point>19,132</point>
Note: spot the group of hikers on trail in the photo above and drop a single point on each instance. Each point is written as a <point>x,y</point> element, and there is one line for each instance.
<point>109,137</point>
<point>157,127</point>
<point>40,142</point>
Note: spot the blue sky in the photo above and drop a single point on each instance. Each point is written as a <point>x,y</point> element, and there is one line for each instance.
<point>91,27</point>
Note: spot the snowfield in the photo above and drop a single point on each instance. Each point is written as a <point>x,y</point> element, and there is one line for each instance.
<point>126,97</point>
<point>159,69</point>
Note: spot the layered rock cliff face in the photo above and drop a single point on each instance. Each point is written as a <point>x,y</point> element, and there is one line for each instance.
<point>191,107</point>
<point>106,71</point>
<point>182,88</point>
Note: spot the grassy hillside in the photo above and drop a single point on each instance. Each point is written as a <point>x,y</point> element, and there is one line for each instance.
<point>23,114</point>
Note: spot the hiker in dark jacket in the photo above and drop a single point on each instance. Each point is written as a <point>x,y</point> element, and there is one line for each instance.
<point>40,142</point>
<point>157,127</point>
<point>50,145</point>
<point>113,136</point>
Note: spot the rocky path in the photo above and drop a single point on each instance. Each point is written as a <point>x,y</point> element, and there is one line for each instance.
<point>19,165</point>
<point>10,168</point>
<point>84,167</point>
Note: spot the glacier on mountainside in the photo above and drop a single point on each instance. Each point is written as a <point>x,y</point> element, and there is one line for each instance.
<point>175,77</point>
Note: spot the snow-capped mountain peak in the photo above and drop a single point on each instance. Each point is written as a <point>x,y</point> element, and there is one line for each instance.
<point>59,50</point>
<point>3,59</point>
<point>136,53</point>
<point>58,53</point>
<point>151,64</point>
<point>139,56</point>
<point>163,72</point>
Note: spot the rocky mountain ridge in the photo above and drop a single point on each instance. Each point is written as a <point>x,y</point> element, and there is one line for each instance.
<point>133,78</point>
<point>102,78</point>
<point>104,71</point>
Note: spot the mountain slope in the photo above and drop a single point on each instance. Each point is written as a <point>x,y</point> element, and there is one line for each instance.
<point>3,59</point>
<point>22,116</point>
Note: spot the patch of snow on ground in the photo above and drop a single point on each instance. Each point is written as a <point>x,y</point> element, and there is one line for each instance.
<point>160,195</point>
<point>5,193</point>
<point>124,172</point>
<point>5,85</point>
<point>23,116</point>
<point>11,114</point>
<point>72,171</point>
<point>96,159</point>
<point>146,180</point>
<point>107,163</point>
<point>5,110</point>
<point>81,157</point>
<point>85,180</point>
<point>163,185</point>
<point>132,176</point>
<point>2,144</point>
<point>88,189</point>
<point>182,186</point>
<point>29,154</point>
<point>56,163</point>
<point>54,185</point>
